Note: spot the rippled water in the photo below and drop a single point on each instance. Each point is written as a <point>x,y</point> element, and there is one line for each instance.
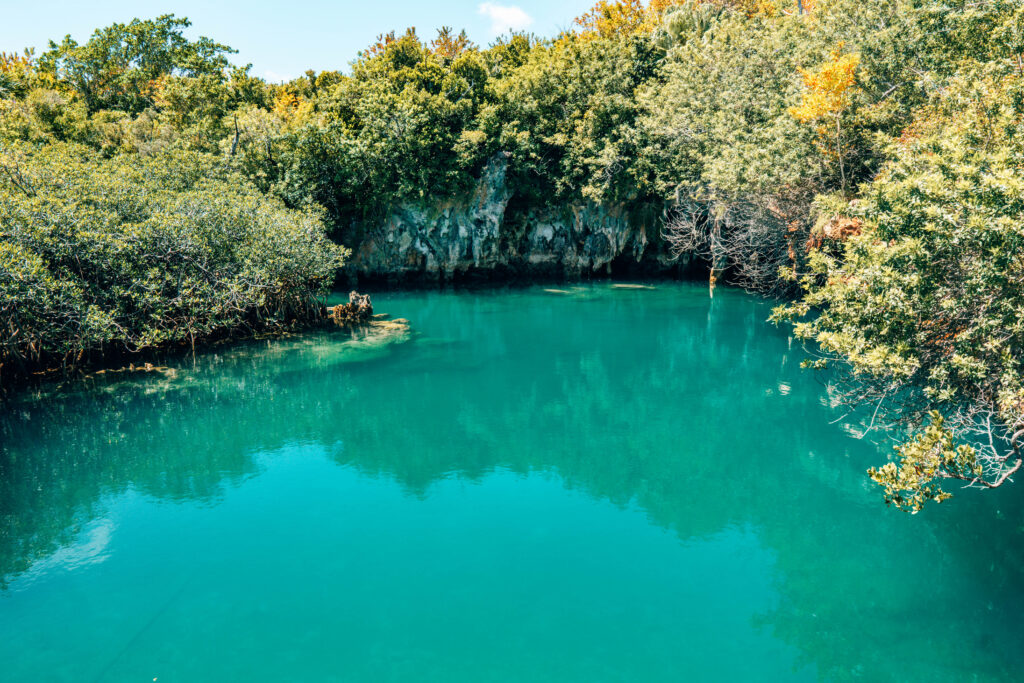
<point>588,484</point>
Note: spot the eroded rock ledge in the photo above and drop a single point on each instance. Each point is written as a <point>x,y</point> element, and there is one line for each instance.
<point>487,233</point>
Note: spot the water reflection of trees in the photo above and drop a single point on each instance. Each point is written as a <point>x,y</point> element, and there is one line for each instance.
<point>182,437</point>
<point>704,422</point>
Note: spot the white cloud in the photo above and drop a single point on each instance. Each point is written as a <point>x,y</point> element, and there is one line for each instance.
<point>274,77</point>
<point>505,17</point>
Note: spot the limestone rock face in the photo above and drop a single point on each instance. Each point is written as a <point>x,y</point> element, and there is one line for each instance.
<point>482,235</point>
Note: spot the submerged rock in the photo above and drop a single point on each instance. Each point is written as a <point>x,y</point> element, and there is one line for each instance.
<point>375,336</point>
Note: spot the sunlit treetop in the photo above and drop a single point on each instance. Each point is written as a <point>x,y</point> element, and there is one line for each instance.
<point>120,65</point>
<point>611,18</point>
<point>827,90</point>
<point>16,72</point>
<point>449,45</point>
<point>385,40</point>
<point>12,62</point>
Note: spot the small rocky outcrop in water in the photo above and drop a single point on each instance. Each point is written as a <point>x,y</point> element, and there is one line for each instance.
<point>368,330</point>
<point>358,310</point>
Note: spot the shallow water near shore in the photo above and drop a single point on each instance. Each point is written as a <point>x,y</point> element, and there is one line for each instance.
<point>573,483</point>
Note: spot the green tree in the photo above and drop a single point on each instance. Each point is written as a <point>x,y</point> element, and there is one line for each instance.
<point>119,66</point>
<point>926,306</point>
<point>104,256</point>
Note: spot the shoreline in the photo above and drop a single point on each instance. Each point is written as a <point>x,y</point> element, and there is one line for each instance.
<point>152,359</point>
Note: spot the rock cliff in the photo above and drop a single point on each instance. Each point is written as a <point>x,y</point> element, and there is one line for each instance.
<point>488,235</point>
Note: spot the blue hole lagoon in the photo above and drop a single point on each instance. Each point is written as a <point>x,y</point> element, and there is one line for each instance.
<point>578,483</point>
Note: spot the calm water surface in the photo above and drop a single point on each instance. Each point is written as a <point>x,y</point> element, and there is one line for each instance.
<point>595,484</point>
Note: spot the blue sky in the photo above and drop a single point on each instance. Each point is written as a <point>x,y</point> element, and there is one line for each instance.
<point>283,39</point>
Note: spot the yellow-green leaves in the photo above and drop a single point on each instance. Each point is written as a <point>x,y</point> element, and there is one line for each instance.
<point>926,303</point>
<point>828,88</point>
<point>139,252</point>
<point>929,456</point>
<point>826,97</point>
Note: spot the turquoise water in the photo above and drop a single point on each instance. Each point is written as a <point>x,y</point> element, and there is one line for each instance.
<point>593,484</point>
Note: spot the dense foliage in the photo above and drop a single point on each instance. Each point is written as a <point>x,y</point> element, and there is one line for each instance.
<point>927,303</point>
<point>112,256</point>
<point>861,156</point>
<point>104,254</point>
